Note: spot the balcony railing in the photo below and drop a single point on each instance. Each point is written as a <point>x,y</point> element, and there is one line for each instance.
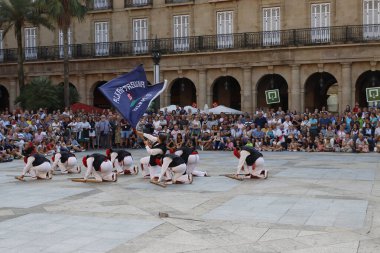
<point>178,1</point>
<point>137,3</point>
<point>97,5</point>
<point>208,43</point>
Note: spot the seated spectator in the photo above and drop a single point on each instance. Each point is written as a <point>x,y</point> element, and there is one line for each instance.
<point>277,145</point>
<point>361,144</point>
<point>377,144</point>
<point>293,144</point>
<point>347,144</point>
<point>259,144</point>
<point>205,141</point>
<point>217,141</point>
<point>73,146</point>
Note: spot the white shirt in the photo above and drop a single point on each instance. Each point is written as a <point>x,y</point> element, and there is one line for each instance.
<point>377,131</point>
<point>287,124</point>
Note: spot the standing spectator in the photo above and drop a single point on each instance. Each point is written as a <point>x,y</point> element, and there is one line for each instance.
<point>104,130</point>
<point>92,133</point>
<point>260,120</point>
<point>126,131</point>
<point>84,133</point>
<point>313,121</point>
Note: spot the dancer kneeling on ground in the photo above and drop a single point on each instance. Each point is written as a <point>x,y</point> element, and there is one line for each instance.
<point>122,161</point>
<point>173,164</point>
<point>191,158</point>
<point>250,158</point>
<point>149,167</point>
<point>66,162</point>
<point>38,166</point>
<point>99,167</point>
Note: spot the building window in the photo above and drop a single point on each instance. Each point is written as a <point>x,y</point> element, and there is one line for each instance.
<point>60,42</point>
<point>101,39</point>
<point>371,19</point>
<point>271,26</point>
<point>31,43</point>
<point>225,37</point>
<point>101,4</point>
<point>140,2</point>
<point>320,22</point>
<point>1,46</point>
<point>181,33</point>
<point>140,36</point>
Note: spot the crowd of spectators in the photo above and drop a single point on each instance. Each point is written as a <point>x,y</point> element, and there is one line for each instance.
<point>354,130</point>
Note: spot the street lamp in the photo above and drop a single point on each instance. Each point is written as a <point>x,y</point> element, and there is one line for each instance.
<point>156,56</point>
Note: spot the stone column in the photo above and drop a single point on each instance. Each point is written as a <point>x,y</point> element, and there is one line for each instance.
<point>12,93</point>
<point>246,93</point>
<point>302,96</point>
<point>202,89</point>
<point>346,87</point>
<point>83,89</point>
<point>253,92</point>
<point>209,95</point>
<point>165,98</point>
<point>295,90</point>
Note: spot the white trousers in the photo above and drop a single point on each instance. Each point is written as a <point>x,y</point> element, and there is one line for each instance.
<point>40,171</point>
<point>70,166</point>
<point>255,170</point>
<point>125,165</point>
<point>145,165</point>
<point>192,163</point>
<point>106,171</point>
<point>177,170</point>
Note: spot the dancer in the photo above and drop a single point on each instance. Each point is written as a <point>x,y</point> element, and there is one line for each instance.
<point>191,158</point>
<point>176,165</point>
<point>38,166</point>
<point>156,150</point>
<point>100,167</point>
<point>250,157</point>
<point>122,161</point>
<point>66,162</point>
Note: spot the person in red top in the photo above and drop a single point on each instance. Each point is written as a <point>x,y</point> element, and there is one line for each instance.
<point>356,109</point>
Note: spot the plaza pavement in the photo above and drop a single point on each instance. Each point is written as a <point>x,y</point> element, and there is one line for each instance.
<point>311,202</point>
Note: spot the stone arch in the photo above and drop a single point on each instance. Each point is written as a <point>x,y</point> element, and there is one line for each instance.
<point>321,90</point>
<point>272,82</point>
<point>183,92</point>
<point>226,91</point>
<point>368,79</point>
<point>70,85</point>
<point>4,98</point>
<point>99,100</point>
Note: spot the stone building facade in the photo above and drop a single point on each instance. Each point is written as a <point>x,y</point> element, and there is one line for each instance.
<point>316,52</point>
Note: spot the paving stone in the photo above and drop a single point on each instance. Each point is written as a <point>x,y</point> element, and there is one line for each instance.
<point>311,202</point>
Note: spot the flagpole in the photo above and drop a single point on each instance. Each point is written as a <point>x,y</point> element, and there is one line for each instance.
<point>156,56</point>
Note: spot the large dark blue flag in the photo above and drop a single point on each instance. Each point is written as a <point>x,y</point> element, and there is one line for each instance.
<point>131,95</point>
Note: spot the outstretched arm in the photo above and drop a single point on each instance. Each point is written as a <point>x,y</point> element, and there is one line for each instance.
<point>90,161</point>
<point>243,155</point>
<point>28,166</point>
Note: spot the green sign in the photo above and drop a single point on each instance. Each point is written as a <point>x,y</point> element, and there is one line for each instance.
<point>373,94</point>
<point>272,96</point>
